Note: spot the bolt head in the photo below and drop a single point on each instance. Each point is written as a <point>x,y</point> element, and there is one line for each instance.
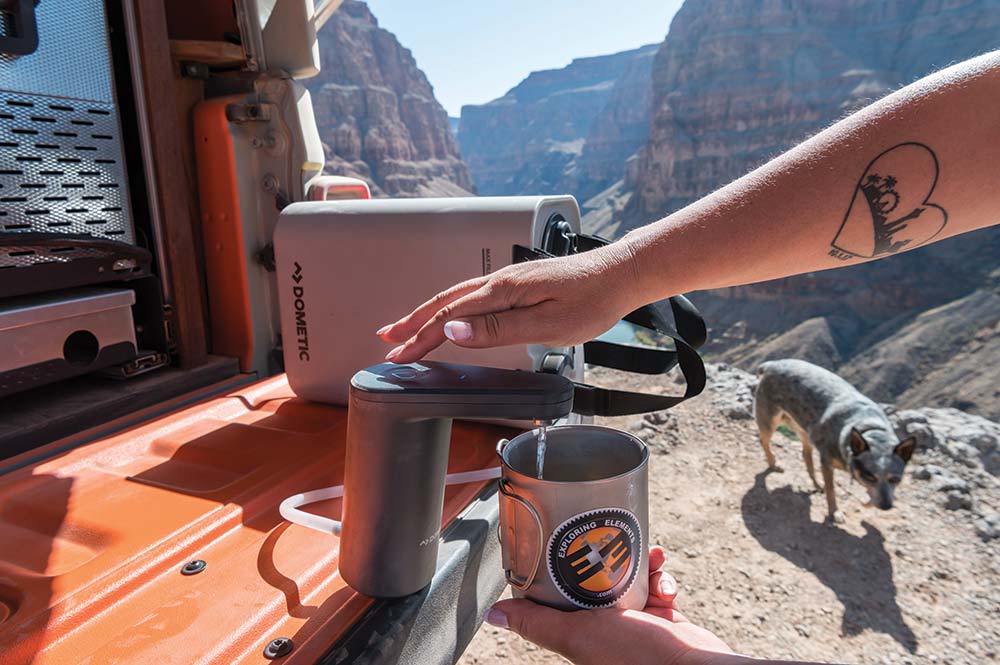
<point>278,647</point>
<point>193,567</point>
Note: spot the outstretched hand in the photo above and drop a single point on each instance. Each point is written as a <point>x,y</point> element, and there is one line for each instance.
<point>560,302</point>
<point>658,635</point>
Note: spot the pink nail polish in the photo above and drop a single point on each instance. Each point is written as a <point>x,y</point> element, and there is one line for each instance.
<point>383,330</point>
<point>667,587</point>
<point>458,331</point>
<point>395,352</point>
<point>495,617</point>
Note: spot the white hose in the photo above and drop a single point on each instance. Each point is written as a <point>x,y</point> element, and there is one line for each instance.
<point>289,508</point>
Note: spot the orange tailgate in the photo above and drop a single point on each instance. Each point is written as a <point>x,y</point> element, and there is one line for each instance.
<point>92,541</point>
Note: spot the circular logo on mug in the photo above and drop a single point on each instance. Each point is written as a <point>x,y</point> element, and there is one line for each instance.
<point>593,557</point>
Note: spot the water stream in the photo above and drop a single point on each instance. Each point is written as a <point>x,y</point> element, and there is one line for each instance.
<point>540,451</point>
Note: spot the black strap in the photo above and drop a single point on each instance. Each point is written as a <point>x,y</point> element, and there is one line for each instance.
<point>593,401</point>
<point>689,323</point>
<point>689,334</point>
<point>638,359</point>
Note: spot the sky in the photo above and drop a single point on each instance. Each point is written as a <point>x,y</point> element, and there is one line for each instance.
<point>473,51</point>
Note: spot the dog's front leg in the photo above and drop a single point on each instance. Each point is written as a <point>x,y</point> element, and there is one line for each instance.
<point>807,455</point>
<point>831,491</point>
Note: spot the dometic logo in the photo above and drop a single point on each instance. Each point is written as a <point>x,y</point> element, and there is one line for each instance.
<point>299,303</point>
<point>593,557</point>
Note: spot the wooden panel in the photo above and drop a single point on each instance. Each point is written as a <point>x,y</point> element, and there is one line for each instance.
<point>174,182</point>
<point>188,93</point>
<point>222,232</point>
<point>200,19</point>
<point>214,53</point>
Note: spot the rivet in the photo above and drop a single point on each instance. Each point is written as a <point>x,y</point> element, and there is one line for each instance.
<point>193,567</point>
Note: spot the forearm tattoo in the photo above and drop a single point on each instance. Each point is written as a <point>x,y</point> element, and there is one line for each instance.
<point>890,211</point>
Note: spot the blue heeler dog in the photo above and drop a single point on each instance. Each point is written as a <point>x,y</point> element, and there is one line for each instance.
<point>850,431</point>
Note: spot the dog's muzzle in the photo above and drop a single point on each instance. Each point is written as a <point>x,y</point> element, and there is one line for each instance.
<point>882,497</point>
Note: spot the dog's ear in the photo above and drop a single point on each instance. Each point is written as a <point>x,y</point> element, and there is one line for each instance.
<point>905,448</point>
<point>858,443</point>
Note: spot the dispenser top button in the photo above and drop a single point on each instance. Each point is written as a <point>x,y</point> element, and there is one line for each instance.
<point>404,373</point>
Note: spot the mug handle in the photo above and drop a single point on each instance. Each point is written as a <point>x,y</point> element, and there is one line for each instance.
<point>511,579</point>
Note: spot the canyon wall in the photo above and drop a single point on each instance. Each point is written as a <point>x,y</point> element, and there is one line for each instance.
<point>566,130</point>
<point>377,114</point>
<point>740,81</point>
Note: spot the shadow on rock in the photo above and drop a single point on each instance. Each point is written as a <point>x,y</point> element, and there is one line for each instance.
<point>856,568</point>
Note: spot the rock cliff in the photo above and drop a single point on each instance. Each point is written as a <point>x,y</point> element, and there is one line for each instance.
<point>377,114</point>
<point>561,130</point>
<point>739,82</point>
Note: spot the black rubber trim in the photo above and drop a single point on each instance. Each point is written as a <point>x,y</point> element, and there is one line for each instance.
<point>435,625</point>
<point>53,276</point>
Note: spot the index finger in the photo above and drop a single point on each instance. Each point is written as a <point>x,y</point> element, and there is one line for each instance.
<point>409,325</point>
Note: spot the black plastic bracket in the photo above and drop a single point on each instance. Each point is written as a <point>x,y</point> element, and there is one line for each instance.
<point>22,29</point>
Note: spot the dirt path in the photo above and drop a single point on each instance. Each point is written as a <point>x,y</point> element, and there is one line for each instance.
<point>757,564</point>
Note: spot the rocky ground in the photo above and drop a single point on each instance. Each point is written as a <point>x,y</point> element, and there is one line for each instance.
<point>758,565</point>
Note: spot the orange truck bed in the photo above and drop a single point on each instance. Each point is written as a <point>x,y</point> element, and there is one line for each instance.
<point>93,540</point>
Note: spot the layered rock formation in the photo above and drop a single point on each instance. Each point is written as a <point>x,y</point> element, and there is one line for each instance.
<point>944,356</point>
<point>947,356</point>
<point>565,130</point>
<point>618,131</point>
<point>738,82</point>
<point>377,114</point>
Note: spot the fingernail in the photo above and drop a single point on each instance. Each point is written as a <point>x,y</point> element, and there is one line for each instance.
<point>395,352</point>
<point>667,587</point>
<point>495,617</point>
<point>383,330</point>
<point>458,331</point>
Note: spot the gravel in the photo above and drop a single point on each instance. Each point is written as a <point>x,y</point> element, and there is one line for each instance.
<point>757,563</point>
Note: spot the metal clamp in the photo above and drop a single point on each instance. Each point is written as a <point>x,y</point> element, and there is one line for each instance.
<point>511,579</point>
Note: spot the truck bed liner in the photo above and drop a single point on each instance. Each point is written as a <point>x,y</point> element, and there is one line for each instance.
<point>92,541</point>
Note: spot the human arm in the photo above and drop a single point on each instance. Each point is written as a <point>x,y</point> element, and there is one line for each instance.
<point>915,167</point>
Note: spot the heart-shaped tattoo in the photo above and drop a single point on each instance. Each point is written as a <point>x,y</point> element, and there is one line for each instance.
<point>891,208</point>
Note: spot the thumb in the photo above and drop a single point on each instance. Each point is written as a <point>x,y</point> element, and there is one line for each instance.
<point>513,326</point>
<point>547,627</point>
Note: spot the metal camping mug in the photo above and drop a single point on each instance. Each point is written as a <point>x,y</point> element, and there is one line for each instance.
<point>577,538</point>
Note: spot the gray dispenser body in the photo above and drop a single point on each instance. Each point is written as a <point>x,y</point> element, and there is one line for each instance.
<point>398,437</point>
